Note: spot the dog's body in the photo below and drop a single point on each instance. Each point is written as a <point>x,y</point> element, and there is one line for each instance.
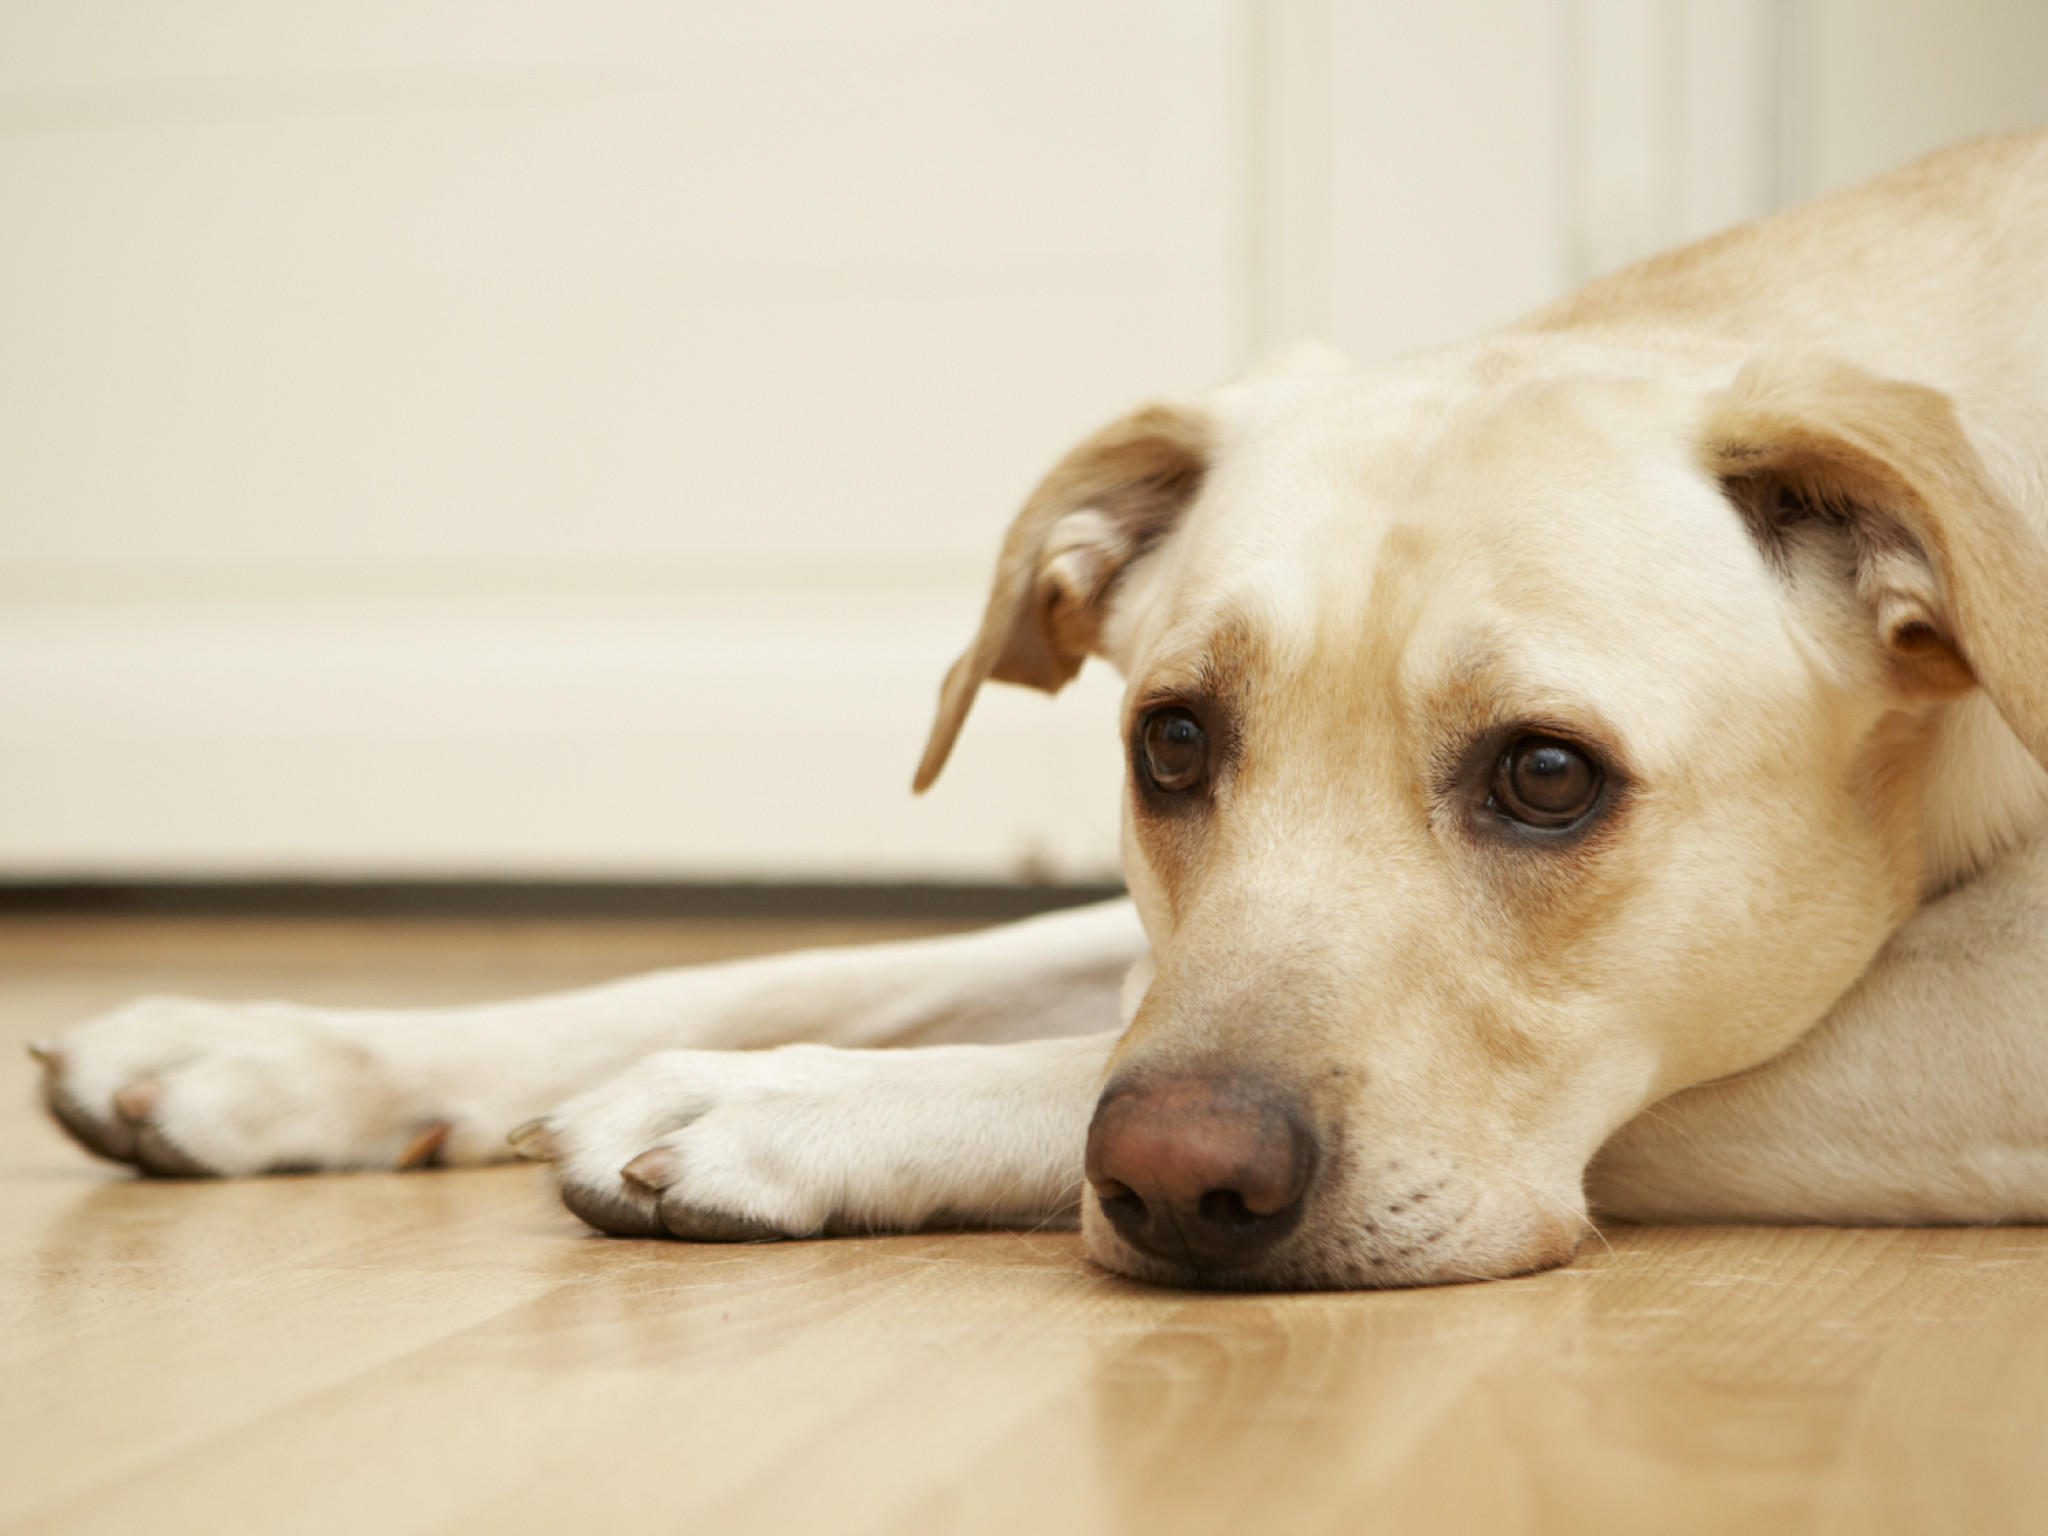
<point>1606,758</point>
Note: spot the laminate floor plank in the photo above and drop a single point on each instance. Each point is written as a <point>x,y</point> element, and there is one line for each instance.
<point>451,1352</point>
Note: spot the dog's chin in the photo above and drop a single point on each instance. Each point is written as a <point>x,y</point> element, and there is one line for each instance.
<point>1321,1256</point>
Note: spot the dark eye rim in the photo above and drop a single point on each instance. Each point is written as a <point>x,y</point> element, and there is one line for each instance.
<point>1141,758</point>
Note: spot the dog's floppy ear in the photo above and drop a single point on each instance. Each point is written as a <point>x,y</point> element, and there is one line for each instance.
<point>1956,580</point>
<point>1102,506</point>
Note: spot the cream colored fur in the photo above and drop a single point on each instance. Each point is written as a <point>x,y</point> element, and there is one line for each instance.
<point>1765,520</point>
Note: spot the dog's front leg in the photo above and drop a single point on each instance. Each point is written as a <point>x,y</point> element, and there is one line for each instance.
<point>1922,1097</point>
<point>808,1139</point>
<point>177,1086</point>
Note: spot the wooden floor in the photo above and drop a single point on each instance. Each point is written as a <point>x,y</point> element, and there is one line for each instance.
<point>451,1352</point>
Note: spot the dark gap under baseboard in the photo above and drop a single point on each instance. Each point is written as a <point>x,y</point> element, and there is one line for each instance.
<point>557,899</point>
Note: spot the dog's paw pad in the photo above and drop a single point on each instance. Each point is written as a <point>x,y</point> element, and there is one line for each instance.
<point>614,1207</point>
<point>697,1225</point>
<point>157,1153</point>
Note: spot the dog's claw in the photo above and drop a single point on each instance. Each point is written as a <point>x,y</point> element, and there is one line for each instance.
<point>534,1141</point>
<point>424,1149</point>
<point>652,1171</point>
<point>134,1102</point>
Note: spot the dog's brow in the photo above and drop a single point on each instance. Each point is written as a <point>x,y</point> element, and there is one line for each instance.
<point>1477,660</point>
<point>1215,662</point>
<point>1480,683</point>
<point>1486,687</point>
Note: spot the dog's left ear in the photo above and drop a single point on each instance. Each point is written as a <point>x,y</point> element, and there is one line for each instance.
<point>1956,580</point>
<point>1102,506</point>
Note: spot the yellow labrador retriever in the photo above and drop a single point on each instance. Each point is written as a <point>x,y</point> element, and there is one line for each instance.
<point>1601,766</point>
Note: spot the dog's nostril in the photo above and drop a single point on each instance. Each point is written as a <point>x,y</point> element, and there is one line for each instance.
<point>1226,1207</point>
<point>1120,1199</point>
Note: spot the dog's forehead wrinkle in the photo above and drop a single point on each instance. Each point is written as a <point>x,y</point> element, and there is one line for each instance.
<point>1356,530</point>
<point>1320,517</point>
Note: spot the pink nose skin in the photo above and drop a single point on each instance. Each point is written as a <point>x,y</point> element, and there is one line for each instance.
<point>1201,1170</point>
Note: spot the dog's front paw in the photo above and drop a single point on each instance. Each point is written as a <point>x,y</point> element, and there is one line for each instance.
<point>712,1146</point>
<point>185,1088</point>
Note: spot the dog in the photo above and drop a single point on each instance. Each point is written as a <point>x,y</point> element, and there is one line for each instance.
<point>1598,769</point>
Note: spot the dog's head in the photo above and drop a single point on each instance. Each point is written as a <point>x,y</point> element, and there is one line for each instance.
<point>1508,746</point>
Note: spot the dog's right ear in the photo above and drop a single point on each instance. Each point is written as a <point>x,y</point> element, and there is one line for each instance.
<point>1953,575</point>
<point>1102,506</point>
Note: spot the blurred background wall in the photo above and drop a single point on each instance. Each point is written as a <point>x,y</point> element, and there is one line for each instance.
<point>555,438</point>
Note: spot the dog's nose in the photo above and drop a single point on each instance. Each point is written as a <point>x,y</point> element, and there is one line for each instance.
<point>1206,1171</point>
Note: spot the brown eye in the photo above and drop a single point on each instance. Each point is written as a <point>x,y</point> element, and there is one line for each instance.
<point>1173,749</point>
<point>1544,782</point>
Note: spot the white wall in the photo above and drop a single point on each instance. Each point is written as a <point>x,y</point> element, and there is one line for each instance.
<point>544,437</point>
<point>1893,78</point>
<point>552,437</point>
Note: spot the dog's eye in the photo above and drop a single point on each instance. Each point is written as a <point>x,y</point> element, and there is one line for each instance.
<point>1544,782</point>
<point>1173,749</point>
